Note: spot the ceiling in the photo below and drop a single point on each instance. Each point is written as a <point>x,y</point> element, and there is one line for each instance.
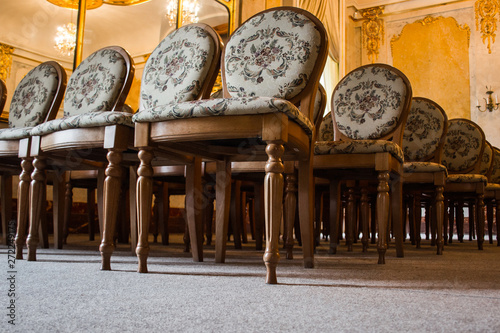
<point>31,25</point>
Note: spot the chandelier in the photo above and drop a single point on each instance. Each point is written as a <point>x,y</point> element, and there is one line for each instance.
<point>92,4</point>
<point>190,9</point>
<point>66,39</point>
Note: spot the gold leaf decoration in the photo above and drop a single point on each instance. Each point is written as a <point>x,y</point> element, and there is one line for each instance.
<point>5,60</point>
<point>486,21</point>
<point>372,31</point>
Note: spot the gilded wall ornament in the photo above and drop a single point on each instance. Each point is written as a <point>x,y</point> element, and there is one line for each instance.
<point>486,21</point>
<point>5,60</point>
<point>372,31</point>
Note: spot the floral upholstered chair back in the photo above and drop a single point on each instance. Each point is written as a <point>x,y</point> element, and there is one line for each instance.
<point>463,146</point>
<point>100,83</point>
<point>274,54</point>
<point>424,132</point>
<point>486,160</point>
<point>3,95</point>
<point>178,69</point>
<point>370,103</point>
<point>38,96</point>
<point>325,132</point>
<point>494,175</point>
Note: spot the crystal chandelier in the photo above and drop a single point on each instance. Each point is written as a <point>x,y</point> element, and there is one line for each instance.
<point>190,9</point>
<point>66,39</point>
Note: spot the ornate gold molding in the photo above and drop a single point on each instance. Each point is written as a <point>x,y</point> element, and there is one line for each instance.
<point>372,31</point>
<point>486,11</point>
<point>93,4</point>
<point>5,60</point>
<point>430,20</point>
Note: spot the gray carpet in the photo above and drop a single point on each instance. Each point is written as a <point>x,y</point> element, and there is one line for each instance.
<point>64,291</point>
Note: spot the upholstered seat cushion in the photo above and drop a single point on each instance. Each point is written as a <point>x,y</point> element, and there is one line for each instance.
<point>15,133</point>
<point>492,187</point>
<point>466,178</point>
<point>224,107</point>
<point>359,147</point>
<point>413,167</point>
<point>85,120</point>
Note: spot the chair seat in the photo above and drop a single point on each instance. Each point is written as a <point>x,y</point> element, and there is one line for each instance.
<point>414,167</point>
<point>359,147</point>
<point>467,178</point>
<point>15,133</point>
<point>492,187</point>
<point>224,107</point>
<point>86,120</point>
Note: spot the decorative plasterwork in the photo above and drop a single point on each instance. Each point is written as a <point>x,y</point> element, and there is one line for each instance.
<point>486,21</point>
<point>5,60</point>
<point>430,20</point>
<point>372,31</point>
<point>92,4</point>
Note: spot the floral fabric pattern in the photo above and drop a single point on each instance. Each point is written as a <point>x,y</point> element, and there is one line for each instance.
<point>368,102</point>
<point>95,83</point>
<point>33,96</point>
<point>271,55</point>
<point>466,178</point>
<point>85,120</point>
<point>326,128</point>
<point>423,131</point>
<point>224,107</point>
<point>422,167</point>
<point>462,146</point>
<point>486,159</point>
<point>177,68</point>
<point>359,147</point>
<point>15,133</point>
<point>495,171</point>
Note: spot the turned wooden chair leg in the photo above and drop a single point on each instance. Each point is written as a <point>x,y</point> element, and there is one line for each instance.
<point>383,200</point>
<point>480,221</point>
<point>365,217</point>
<point>335,214</point>
<point>112,190</point>
<point>417,213</point>
<point>37,189</point>
<point>397,215</point>
<point>23,205</point>
<point>194,205</point>
<point>439,217</point>
<point>489,219</point>
<point>273,197</point>
<point>222,201</point>
<point>234,210</point>
<point>68,203</point>
<point>306,209</point>
<point>144,200</point>
<point>6,203</point>
<point>290,210</point>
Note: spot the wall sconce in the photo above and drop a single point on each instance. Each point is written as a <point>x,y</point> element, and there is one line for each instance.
<point>490,106</point>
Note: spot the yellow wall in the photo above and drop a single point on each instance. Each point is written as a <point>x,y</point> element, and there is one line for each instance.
<point>434,55</point>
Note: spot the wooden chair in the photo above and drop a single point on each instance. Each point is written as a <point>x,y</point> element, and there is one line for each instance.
<point>369,109</point>
<point>182,67</point>
<point>463,147</point>
<point>492,195</point>
<point>424,177</point>
<point>254,171</point>
<point>270,64</point>
<point>3,95</point>
<point>36,99</point>
<point>92,134</point>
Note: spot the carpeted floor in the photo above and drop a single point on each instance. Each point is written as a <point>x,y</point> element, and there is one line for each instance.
<point>65,291</point>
